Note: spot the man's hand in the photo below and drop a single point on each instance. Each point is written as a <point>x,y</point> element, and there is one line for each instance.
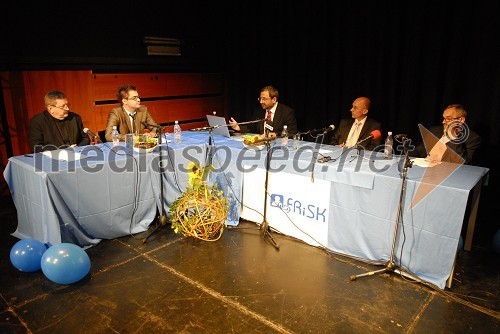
<point>234,124</point>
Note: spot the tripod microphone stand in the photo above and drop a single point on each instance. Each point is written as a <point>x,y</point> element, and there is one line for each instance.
<point>264,227</point>
<point>390,266</point>
<point>162,218</point>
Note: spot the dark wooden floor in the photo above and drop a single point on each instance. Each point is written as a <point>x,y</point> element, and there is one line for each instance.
<point>241,284</point>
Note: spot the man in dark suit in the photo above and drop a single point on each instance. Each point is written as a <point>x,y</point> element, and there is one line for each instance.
<point>452,141</point>
<point>56,127</point>
<point>130,116</point>
<point>276,115</point>
<point>358,127</point>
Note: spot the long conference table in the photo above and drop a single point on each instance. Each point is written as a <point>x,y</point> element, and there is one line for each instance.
<point>348,205</point>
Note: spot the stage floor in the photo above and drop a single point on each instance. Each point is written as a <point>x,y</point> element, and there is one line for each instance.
<point>241,284</point>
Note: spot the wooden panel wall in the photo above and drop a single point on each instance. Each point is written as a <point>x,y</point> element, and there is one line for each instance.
<point>23,97</point>
<point>186,97</point>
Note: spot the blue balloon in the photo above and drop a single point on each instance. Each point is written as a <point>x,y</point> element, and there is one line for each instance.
<point>26,254</point>
<point>65,263</point>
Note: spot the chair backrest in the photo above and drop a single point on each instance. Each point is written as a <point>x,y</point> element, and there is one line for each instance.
<point>102,135</point>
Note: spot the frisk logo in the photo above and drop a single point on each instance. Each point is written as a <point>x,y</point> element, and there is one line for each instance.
<point>295,206</point>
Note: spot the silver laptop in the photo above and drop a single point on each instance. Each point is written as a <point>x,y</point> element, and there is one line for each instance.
<point>222,128</point>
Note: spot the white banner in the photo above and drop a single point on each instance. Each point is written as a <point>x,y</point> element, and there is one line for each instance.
<point>296,206</point>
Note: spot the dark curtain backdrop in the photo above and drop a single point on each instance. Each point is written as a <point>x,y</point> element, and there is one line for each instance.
<point>411,59</point>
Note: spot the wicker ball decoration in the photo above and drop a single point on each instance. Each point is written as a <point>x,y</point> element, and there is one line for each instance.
<point>200,214</point>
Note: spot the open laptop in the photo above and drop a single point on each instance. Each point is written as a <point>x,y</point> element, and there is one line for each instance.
<point>221,121</point>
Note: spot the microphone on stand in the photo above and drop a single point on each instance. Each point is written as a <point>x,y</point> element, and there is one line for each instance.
<point>316,133</point>
<point>401,136</point>
<point>375,134</point>
<point>147,125</point>
<point>324,130</point>
<point>331,127</point>
<point>93,135</point>
<point>268,127</point>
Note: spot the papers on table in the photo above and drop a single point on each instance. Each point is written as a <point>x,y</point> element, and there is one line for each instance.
<point>424,162</point>
<point>64,155</point>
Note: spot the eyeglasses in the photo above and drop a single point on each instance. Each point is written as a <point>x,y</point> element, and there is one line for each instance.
<point>449,119</point>
<point>135,98</point>
<point>64,106</point>
<point>263,99</point>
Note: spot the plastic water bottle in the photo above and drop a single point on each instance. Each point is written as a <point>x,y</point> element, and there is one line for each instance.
<point>284,135</point>
<point>115,136</point>
<point>389,141</point>
<point>177,132</point>
<point>296,141</point>
<point>233,213</point>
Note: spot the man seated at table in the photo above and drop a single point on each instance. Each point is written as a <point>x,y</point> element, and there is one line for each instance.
<point>358,127</point>
<point>276,114</point>
<point>453,141</point>
<point>56,127</point>
<point>130,117</point>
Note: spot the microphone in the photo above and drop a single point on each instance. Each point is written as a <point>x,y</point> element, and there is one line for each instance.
<point>147,125</point>
<point>375,134</point>
<point>268,128</point>
<point>324,130</point>
<point>93,135</point>
<point>401,136</point>
<point>87,131</point>
<point>330,127</point>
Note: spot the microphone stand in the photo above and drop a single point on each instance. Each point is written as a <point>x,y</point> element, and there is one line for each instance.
<point>315,156</point>
<point>162,218</point>
<point>358,147</point>
<point>210,147</point>
<point>390,266</point>
<point>210,128</point>
<point>264,227</point>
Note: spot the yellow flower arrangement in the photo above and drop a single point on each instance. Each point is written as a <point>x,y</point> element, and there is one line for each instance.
<point>201,210</point>
<point>251,140</point>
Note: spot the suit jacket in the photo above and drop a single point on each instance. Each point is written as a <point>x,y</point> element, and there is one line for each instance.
<point>48,133</point>
<point>342,132</point>
<point>284,115</point>
<point>465,149</point>
<point>119,117</point>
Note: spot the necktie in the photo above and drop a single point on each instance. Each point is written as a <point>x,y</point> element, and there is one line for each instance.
<point>132,121</point>
<point>351,140</point>
<point>268,117</point>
